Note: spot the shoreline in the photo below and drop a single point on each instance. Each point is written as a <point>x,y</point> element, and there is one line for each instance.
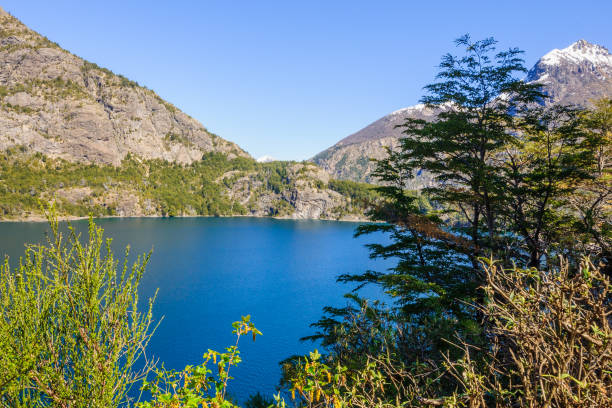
<point>66,218</point>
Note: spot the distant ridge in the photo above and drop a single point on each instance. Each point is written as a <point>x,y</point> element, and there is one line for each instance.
<point>573,75</point>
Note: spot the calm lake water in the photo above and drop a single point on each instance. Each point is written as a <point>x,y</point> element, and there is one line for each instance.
<point>210,271</point>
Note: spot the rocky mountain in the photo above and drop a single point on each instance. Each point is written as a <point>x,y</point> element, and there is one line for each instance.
<point>349,158</point>
<point>303,193</point>
<point>573,75</point>
<point>59,114</point>
<point>213,186</point>
<point>60,105</point>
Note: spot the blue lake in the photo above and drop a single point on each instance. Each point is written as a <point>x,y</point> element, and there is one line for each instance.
<point>210,271</point>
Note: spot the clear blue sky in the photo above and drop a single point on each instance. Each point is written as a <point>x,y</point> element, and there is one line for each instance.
<point>291,78</point>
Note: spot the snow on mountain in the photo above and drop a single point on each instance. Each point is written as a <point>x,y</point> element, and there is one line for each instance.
<point>574,75</point>
<point>409,109</point>
<point>266,159</point>
<point>579,52</point>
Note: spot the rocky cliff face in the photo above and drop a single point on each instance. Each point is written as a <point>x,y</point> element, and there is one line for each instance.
<point>304,196</point>
<point>213,186</point>
<point>574,75</point>
<point>59,113</point>
<point>60,105</point>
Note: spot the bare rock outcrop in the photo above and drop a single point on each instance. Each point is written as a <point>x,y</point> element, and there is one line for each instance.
<point>304,196</point>
<point>58,104</point>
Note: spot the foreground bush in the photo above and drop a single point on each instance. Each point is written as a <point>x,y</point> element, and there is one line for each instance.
<point>71,333</point>
<point>550,345</point>
<point>196,386</point>
<point>551,337</point>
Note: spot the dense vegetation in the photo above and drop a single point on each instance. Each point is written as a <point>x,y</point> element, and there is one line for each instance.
<point>501,295</point>
<point>156,186</point>
<point>71,332</point>
<point>491,296</point>
<point>172,188</point>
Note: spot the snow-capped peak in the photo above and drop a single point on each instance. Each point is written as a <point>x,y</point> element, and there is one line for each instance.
<point>266,159</point>
<point>413,108</point>
<point>578,52</point>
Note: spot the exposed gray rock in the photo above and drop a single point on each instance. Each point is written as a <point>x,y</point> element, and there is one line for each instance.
<point>349,159</point>
<point>57,104</point>
<point>575,75</point>
<point>305,197</point>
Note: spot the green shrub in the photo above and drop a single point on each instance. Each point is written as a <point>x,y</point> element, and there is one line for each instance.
<point>71,332</point>
<point>360,192</point>
<point>551,346</point>
<point>197,386</point>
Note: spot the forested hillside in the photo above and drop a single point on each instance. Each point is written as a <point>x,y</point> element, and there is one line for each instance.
<point>212,186</point>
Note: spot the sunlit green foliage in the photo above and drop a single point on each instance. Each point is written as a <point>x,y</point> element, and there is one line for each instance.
<point>71,332</point>
<point>199,386</point>
<point>161,188</point>
<point>358,192</point>
<point>591,203</point>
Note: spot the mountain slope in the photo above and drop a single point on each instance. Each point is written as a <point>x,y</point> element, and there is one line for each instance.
<point>212,186</point>
<point>349,158</point>
<point>574,75</point>
<point>97,143</point>
<point>58,104</point>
